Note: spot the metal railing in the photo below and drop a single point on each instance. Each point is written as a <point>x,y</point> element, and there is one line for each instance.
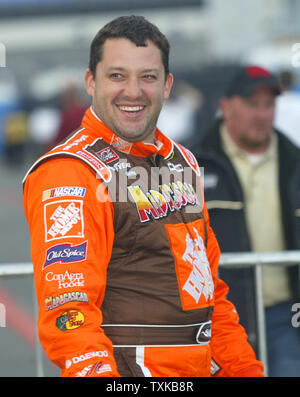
<point>232,260</point>
<point>258,260</point>
<point>13,270</point>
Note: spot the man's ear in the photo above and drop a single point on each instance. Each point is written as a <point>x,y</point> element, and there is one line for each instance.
<point>168,86</point>
<point>224,105</point>
<point>89,82</point>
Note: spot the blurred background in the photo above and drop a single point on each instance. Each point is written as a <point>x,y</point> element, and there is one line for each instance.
<point>44,50</point>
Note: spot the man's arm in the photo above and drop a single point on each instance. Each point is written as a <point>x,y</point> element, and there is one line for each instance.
<point>71,241</point>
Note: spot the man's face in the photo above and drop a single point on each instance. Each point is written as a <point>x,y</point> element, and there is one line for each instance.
<point>249,120</point>
<point>129,88</point>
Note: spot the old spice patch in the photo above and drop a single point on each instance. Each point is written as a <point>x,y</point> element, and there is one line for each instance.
<point>65,253</point>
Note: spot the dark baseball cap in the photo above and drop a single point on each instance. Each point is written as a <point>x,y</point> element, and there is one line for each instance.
<point>248,78</point>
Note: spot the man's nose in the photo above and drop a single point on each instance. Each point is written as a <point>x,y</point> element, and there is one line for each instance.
<point>133,88</point>
<point>263,113</point>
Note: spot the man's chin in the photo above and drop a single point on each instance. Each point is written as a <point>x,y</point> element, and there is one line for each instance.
<point>256,144</point>
<point>135,137</point>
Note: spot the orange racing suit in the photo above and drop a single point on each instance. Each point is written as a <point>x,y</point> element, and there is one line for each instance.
<point>126,264</point>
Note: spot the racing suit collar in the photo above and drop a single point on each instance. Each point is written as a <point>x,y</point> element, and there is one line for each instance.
<point>163,145</point>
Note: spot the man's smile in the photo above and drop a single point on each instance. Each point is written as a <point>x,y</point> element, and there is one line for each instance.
<point>132,111</point>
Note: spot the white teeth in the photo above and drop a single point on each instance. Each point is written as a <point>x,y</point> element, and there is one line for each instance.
<point>131,108</point>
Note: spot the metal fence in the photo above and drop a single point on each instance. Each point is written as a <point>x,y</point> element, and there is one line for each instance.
<point>258,260</point>
<point>232,260</point>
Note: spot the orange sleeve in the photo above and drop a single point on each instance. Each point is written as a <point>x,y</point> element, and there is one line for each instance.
<point>72,235</point>
<point>232,355</point>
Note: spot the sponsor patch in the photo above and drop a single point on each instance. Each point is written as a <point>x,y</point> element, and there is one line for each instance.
<point>97,368</point>
<point>107,155</point>
<point>86,356</point>
<point>75,142</point>
<point>52,302</point>
<point>120,144</point>
<point>69,320</point>
<point>65,253</point>
<point>193,271</point>
<point>63,218</point>
<point>83,153</point>
<point>96,163</point>
<point>214,367</point>
<point>158,204</point>
<point>66,280</point>
<point>190,158</point>
<point>63,191</point>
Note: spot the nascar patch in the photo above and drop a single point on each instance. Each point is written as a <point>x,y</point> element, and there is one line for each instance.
<point>63,191</point>
<point>63,218</point>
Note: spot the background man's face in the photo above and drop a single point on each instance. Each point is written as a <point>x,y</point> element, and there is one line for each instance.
<point>249,120</point>
<point>129,88</point>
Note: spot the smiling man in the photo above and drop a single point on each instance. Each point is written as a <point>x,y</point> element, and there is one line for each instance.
<point>129,87</point>
<point>149,301</point>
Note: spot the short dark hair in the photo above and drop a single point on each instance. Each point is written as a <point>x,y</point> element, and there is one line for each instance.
<point>137,29</point>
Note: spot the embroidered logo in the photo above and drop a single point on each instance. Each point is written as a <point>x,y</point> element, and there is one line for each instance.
<point>71,319</point>
<point>63,219</point>
<point>107,155</point>
<point>66,279</point>
<point>158,204</point>
<point>52,302</point>
<point>200,280</point>
<point>65,253</point>
<point>195,282</point>
<point>120,144</point>
<point>62,191</point>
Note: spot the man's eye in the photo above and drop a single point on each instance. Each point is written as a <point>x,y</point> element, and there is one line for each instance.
<point>250,102</point>
<point>149,77</point>
<point>116,76</point>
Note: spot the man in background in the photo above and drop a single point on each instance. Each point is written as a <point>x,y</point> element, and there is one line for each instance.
<point>287,117</point>
<point>252,193</point>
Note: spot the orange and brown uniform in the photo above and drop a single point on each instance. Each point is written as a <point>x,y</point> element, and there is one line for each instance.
<point>126,264</point>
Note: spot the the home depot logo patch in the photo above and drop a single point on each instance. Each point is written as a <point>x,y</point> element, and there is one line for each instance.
<point>63,218</point>
<point>193,271</point>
